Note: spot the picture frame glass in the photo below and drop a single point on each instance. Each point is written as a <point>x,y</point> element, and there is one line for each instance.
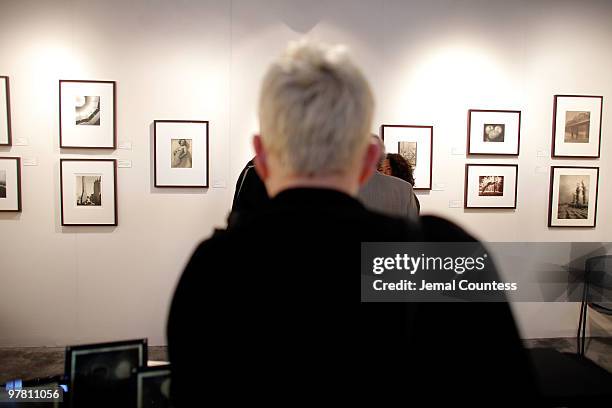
<point>10,189</point>
<point>573,196</point>
<point>577,127</point>
<point>4,112</point>
<point>491,186</point>
<point>88,192</point>
<point>181,154</point>
<point>494,132</point>
<point>415,145</point>
<point>87,111</point>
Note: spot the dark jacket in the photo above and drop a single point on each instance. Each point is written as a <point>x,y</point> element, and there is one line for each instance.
<point>268,311</point>
<point>250,193</point>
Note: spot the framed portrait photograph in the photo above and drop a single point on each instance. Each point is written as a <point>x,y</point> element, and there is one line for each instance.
<point>494,132</point>
<point>101,374</point>
<point>87,114</point>
<point>577,126</point>
<point>573,196</point>
<point>5,112</point>
<point>10,184</point>
<point>415,144</point>
<point>181,153</point>
<point>88,191</point>
<point>153,386</point>
<point>491,186</point>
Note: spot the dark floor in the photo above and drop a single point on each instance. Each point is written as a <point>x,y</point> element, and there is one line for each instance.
<point>29,363</point>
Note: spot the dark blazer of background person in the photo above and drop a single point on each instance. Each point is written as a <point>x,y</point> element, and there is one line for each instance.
<point>268,311</point>
<point>250,194</point>
<point>389,195</point>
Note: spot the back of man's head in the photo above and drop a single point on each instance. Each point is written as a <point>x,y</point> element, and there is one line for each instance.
<point>315,110</point>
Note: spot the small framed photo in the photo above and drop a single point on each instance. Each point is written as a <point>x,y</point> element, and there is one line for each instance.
<point>415,144</point>
<point>88,191</point>
<point>10,184</point>
<point>577,126</point>
<point>5,111</point>
<point>100,374</point>
<point>494,132</point>
<point>153,386</point>
<point>491,186</point>
<point>181,153</point>
<point>573,196</point>
<point>87,114</point>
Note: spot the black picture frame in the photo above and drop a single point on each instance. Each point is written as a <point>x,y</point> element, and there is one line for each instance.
<point>551,192</point>
<point>553,149</point>
<point>469,132</point>
<point>465,194</point>
<point>8,111</point>
<point>18,165</point>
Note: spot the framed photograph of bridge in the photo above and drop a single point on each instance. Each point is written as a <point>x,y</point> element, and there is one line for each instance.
<point>573,196</point>
<point>87,114</point>
<point>88,191</point>
<point>491,186</point>
<point>577,126</point>
<point>415,144</point>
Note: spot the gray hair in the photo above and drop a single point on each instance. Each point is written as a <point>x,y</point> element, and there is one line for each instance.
<point>315,109</point>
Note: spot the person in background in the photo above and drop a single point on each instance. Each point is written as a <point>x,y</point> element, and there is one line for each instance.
<point>250,194</point>
<point>267,312</point>
<point>388,195</point>
<point>395,165</point>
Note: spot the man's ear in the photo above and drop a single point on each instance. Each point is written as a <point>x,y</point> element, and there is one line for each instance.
<point>261,158</point>
<point>370,162</point>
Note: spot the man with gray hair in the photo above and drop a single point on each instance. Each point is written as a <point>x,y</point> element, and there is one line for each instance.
<point>267,312</point>
<point>387,194</point>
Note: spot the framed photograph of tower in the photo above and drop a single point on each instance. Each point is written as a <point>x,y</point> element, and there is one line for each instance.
<point>494,132</point>
<point>87,114</point>
<point>573,196</point>
<point>181,153</point>
<point>10,184</point>
<point>5,111</point>
<point>491,186</point>
<point>577,126</point>
<point>415,144</point>
<point>88,191</point>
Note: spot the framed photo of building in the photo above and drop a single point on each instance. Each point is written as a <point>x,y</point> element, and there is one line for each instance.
<point>181,153</point>
<point>415,144</point>
<point>88,191</point>
<point>577,126</point>
<point>87,114</point>
<point>573,196</point>
<point>10,184</point>
<point>491,186</point>
<point>101,374</point>
<point>494,132</point>
<point>5,111</point>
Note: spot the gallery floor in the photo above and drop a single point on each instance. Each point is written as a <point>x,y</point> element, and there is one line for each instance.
<point>33,362</point>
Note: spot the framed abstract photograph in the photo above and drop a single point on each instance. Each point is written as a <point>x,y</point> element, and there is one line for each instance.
<point>10,184</point>
<point>5,111</point>
<point>577,126</point>
<point>573,196</point>
<point>181,153</point>
<point>87,114</point>
<point>491,186</point>
<point>88,191</point>
<point>101,374</point>
<point>494,132</point>
<point>415,144</point>
<point>153,386</point>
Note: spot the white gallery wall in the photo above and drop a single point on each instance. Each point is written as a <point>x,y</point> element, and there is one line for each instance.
<point>428,62</point>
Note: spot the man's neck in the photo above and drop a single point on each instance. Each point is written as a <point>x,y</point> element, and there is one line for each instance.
<point>338,183</point>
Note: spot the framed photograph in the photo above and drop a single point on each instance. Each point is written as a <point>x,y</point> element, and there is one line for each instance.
<point>181,153</point>
<point>153,386</point>
<point>87,114</point>
<point>10,184</point>
<point>415,144</point>
<point>100,374</point>
<point>88,191</point>
<point>491,186</point>
<point>577,126</point>
<point>494,132</point>
<point>5,111</point>
<point>573,196</point>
